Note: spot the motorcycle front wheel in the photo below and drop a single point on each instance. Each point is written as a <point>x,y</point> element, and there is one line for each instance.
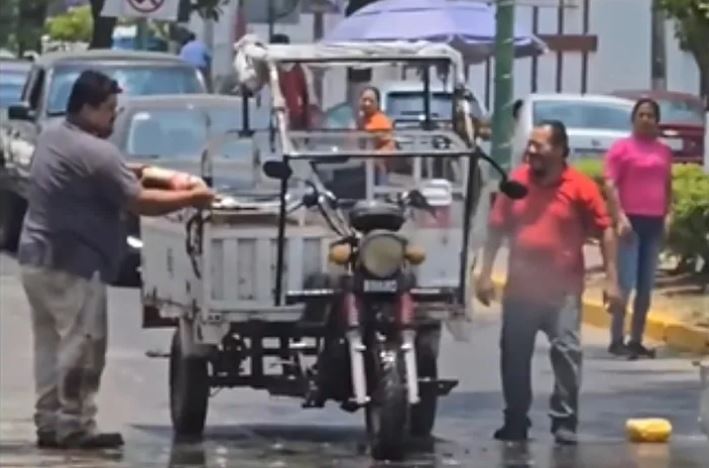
<point>387,412</point>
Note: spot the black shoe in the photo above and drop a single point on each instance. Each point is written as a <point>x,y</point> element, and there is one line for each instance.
<point>105,440</point>
<point>618,348</point>
<point>637,350</point>
<point>564,435</point>
<point>514,430</point>
<point>47,439</point>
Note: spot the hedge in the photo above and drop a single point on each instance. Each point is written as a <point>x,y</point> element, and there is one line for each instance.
<point>688,236</point>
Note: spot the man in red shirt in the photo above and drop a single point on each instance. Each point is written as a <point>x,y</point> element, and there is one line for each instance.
<point>546,232</point>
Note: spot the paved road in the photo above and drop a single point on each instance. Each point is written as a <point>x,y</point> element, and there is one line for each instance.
<point>247,429</point>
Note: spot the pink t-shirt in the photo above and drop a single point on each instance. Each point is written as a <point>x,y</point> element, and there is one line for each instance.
<point>640,169</point>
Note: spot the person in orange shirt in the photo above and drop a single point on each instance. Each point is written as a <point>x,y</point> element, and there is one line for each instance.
<point>372,119</point>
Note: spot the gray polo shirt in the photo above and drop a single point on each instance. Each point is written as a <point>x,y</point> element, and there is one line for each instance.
<point>79,187</point>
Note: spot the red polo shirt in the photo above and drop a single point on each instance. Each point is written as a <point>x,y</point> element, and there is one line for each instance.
<point>547,230</point>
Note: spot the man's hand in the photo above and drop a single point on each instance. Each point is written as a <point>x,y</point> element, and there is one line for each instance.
<point>485,289</point>
<point>201,197</point>
<point>612,296</point>
<point>623,228</point>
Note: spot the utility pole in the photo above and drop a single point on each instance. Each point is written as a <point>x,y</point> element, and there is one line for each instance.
<point>141,33</point>
<point>502,121</point>
<point>658,48</point>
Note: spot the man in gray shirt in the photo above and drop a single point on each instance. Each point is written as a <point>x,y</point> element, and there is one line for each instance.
<point>71,246</point>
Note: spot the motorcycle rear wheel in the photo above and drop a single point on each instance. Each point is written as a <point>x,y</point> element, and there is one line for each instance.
<point>387,413</point>
<point>423,414</point>
<point>189,391</point>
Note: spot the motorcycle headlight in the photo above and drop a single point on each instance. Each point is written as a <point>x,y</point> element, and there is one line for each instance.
<point>382,254</point>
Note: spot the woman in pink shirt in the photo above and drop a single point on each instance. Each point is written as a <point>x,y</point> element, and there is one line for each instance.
<point>638,172</point>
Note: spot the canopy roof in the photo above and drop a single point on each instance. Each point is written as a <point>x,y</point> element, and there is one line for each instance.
<point>251,50</point>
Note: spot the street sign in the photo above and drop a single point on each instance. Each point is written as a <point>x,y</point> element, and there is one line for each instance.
<point>154,9</point>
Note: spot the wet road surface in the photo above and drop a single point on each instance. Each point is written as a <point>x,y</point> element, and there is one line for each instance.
<point>249,429</point>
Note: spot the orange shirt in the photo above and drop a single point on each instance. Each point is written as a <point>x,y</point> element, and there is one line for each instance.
<point>380,124</point>
<point>547,230</point>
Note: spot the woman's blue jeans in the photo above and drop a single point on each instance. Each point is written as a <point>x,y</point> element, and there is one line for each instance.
<point>637,263</point>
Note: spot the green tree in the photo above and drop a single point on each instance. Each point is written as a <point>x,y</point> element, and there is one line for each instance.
<point>8,20</point>
<point>73,26</point>
<point>29,25</point>
<point>692,29</point>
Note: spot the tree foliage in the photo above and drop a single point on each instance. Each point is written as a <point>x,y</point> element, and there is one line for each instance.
<point>76,25</point>
<point>692,28</point>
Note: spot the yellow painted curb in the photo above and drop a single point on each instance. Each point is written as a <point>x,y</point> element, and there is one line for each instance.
<point>660,326</point>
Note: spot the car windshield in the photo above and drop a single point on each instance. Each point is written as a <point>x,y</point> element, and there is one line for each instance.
<point>11,84</point>
<point>410,104</point>
<point>134,80</point>
<point>681,112</point>
<point>584,114</point>
<point>184,133</point>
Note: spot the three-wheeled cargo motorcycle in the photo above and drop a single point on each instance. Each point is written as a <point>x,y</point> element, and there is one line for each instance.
<point>286,287</point>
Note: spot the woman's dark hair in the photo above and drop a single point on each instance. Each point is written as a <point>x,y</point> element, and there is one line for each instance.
<point>375,90</point>
<point>559,136</point>
<point>646,100</point>
<point>91,88</point>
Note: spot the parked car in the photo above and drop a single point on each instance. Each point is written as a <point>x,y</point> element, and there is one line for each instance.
<point>682,123</point>
<point>402,101</point>
<point>44,99</point>
<point>593,122</point>
<point>13,73</point>
<point>172,132</point>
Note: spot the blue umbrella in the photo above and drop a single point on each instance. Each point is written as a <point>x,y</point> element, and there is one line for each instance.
<point>468,26</point>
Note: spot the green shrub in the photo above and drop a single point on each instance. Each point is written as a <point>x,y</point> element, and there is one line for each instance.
<point>76,25</point>
<point>689,231</point>
<point>593,168</point>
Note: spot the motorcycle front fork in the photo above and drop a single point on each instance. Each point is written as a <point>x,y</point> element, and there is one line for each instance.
<point>404,312</point>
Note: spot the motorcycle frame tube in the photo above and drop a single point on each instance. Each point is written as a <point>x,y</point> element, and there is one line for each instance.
<point>405,318</point>
<point>351,310</point>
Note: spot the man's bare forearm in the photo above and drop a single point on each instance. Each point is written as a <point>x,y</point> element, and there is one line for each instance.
<point>609,252</point>
<point>492,246</point>
<point>152,202</point>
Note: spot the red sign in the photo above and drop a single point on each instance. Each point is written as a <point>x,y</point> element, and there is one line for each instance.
<point>146,6</point>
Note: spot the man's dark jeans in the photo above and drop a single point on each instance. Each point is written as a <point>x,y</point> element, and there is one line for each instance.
<point>560,320</point>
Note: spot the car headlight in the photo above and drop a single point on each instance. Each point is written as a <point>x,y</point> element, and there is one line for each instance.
<point>382,254</point>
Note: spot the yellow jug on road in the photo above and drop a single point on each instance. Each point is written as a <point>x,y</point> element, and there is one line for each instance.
<point>650,430</point>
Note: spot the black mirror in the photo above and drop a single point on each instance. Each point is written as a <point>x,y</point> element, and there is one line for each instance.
<point>513,189</point>
<point>20,112</point>
<point>277,170</point>
<point>418,200</point>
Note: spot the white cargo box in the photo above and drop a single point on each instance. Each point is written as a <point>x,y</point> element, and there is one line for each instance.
<point>233,279</point>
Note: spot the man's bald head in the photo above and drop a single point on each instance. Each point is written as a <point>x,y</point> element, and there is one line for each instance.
<point>547,148</point>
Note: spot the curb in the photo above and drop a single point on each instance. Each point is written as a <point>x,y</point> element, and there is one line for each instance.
<point>660,326</point>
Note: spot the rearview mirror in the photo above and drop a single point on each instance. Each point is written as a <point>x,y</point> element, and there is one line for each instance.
<point>277,170</point>
<point>418,200</point>
<point>438,192</point>
<point>20,112</point>
<point>513,189</point>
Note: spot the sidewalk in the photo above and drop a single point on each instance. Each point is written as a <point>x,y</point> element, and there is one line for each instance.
<point>679,320</point>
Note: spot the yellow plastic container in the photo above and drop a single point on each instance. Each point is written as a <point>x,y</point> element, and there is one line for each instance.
<point>650,430</point>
